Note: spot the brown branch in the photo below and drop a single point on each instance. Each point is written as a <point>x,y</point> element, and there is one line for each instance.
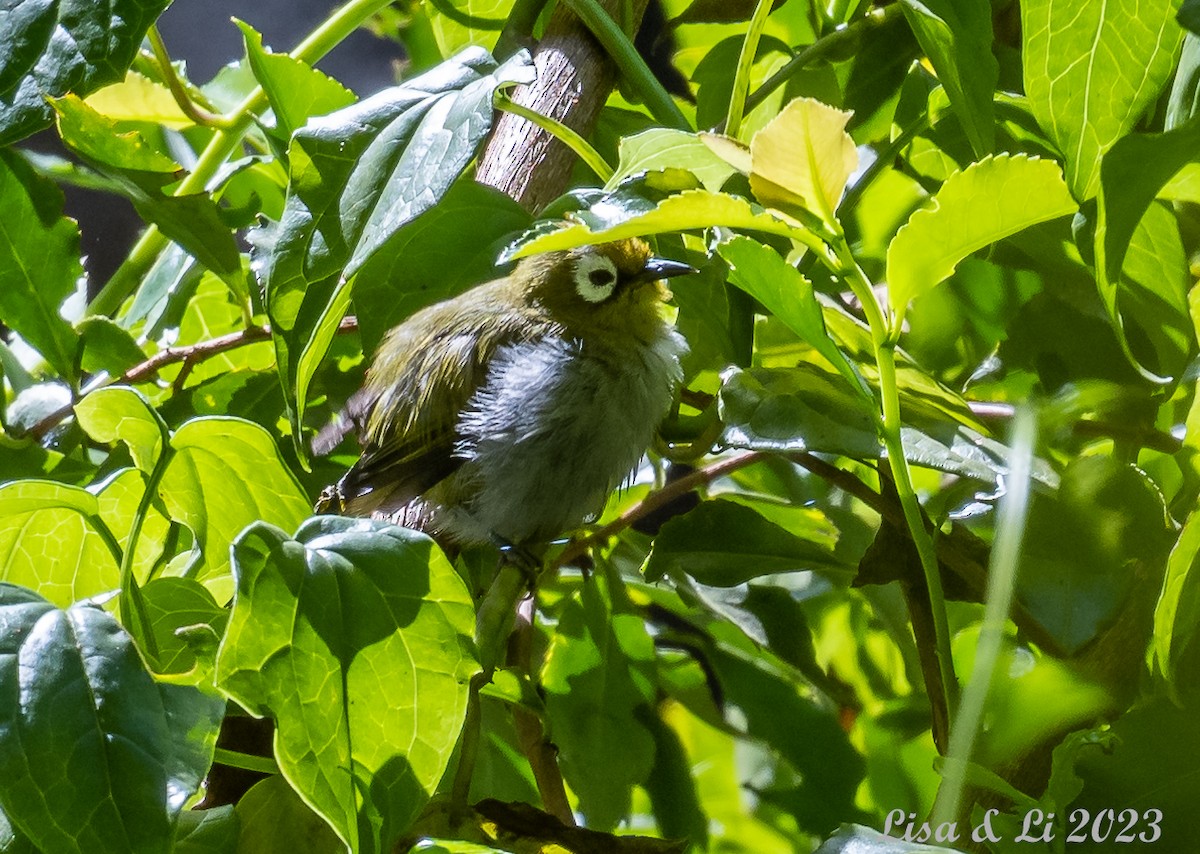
<point>189,355</point>
<point>659,498</point>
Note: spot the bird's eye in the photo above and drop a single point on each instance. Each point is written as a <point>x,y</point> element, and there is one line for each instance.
<point>595,278</point>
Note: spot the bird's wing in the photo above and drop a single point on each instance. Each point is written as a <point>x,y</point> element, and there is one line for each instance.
<point>416,390</point>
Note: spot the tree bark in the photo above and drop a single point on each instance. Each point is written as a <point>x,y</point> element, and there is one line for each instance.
<point>574,79</point>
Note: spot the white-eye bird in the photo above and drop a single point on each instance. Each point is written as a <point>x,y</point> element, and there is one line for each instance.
<point>509,413</point>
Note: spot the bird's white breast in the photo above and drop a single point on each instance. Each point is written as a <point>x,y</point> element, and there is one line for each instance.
<point>553,429</point>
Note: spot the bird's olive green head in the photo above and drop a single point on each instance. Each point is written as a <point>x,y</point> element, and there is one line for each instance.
<point>610,287</point>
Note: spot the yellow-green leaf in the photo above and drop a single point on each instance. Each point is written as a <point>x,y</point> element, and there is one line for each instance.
<point>138,99</point>
<point>804,156</point>
<point>987,201</point>
<point>690,209</point>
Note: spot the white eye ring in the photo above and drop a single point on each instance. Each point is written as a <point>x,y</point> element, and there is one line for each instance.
<point>595,278</point>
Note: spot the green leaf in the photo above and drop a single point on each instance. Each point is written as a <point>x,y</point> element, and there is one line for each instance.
<point>957,38</point>
<point>723,544</point>
<point>35,236</point>
<point>49,541</point>
<point>224,474</point>
<point>599,681</point>
<point>775,709</point>
<point>193,221</point>
<point>762,273</point>
<point>275,821</point>
<point>1177,615</point>
<point>440,254</point>
<point>207,831</point>
<point>1079,544</point>
<point>181,603</point>
<point>1091,71</point>
<point>95,756</point>
<point>52,48</point>
<point>458,24</point>
<point>987,201</point>
<point>1132,174</point>
<point>357,177</point>
<point>121,414</point>
<point>95,137</point>
<point>107,346</point>
<point>1149,765</point>
<point>660,148</point>
<point>296,90</point>
<point>691,209</point>
<point>356,638</point>
<point>788,410</point>
<point>803,158</point>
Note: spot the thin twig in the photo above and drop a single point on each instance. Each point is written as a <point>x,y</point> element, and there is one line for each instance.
<point>189,355</point>
<point>701,477</point>
<point>531,735</point>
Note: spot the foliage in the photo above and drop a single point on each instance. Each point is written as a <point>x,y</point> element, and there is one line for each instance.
<point>912,221</point>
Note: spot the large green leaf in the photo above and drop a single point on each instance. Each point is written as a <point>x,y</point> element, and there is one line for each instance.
<point>95,756</point>
<point>1149,767</point>
<point>356,638</point>
<point>956,35</point>
<point>46,534</point>
<point>224,474</point>
<point>441,253</point>
<point>723,544</point>
<point>1080,543</point>
<point>1091,72</point>
<point>357,176</point>
<point>598,679</point>
<point>805,408</point>
<point>987,201</point>
<point>296,91</point>
<point>39,262</point>
<point>51,48</point>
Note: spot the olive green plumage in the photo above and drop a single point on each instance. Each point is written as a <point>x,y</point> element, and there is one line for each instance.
<point>511,411</point>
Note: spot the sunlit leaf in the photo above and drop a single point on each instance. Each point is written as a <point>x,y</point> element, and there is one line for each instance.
<point>660,148</point>
<point>1091,72</point>
<point>803,157</point>
<point>989,200</point>
<point>296,91</point>
<point>374,620</point>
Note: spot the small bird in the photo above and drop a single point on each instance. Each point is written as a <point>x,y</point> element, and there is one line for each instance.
<point>507,415</point>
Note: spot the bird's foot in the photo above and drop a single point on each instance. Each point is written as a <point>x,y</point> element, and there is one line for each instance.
<point>524,559</point>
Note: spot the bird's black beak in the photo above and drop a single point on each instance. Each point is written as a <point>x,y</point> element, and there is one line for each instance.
<point>664,268</point>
